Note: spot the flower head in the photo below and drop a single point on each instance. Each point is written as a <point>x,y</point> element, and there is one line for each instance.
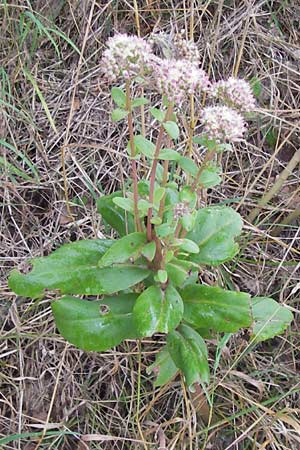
<point>126,56</point>
<point>223,124</point>
<point>186,49</point>
<point>234,92</point>
<point>175,78</point>
<point>181,210</point>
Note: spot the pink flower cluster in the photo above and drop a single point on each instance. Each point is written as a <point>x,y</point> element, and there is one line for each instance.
<point>234,92</point>
<point>129,56</point>
<point>186,50</point>
<point>176,78</point>
<point>126,56</point>
<point>181,210</point>
<point>223,124</point>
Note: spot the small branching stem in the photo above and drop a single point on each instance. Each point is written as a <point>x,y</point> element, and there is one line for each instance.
<point>153,172</point>
<point>208,157</point>
<point>133,161</point>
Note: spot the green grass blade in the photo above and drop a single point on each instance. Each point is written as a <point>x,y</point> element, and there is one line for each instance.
<point>23,157</point>
<point>41,97</point>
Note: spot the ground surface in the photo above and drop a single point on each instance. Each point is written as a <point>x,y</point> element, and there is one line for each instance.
<point>51,97</point>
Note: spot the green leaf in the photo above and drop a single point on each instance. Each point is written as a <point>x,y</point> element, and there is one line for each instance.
<point>169,154</point>
<point>118,114</point>
<point>204,141</point>
<point>95,325</point>
<point>188,165</point>
<point>172,129</point>
<point>143,206</point>
<point>215,308</point>
<point>178,271</point>
<point>188,196</point>
<point>114,215</point>
<point>214,232</point>
<point>164,230</point>
<point>73,269</point>
<point>188,221</point>
<point>149,250</point>
<point>256,86</point>
<point>186,245</point>
<point>157,114</point>
<point>189,353</point>
<point>220,148</point>
<point>159,192</point>
<point>270,318</point>
<point>139,102</point>
<point>157,310</point>
<point>124,203</point>
<point>129,246</point>
<point>161,276</point>
<point>163,367</point>
<point>210,177</point>
<point>144,146</point>
<point>118,97</point>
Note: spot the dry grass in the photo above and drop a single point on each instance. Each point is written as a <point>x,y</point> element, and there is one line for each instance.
<point>107,398</point>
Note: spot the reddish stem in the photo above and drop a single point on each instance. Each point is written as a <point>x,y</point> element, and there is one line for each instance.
<point>133,161</point>
<point>153,172</point>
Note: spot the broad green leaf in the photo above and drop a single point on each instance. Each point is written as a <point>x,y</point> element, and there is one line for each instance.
<point>169,154</point>
<point>129,246</point>
<point>124,203</point>
<point>188,196</point>
<point>164,230</point>
<point>186,245</point>
<point>143,188</point>
<point>215,308</point>
<point>139,102</point>
<point>163,367</point>
<point>214,232</point>
<point>210,177</point>
<point>172,129</point>
<point>144,146</point>
<point>157,114</point>
<point>143,206</point>
<point>188,221</point>
<point>189,353</point>
<point>95,325</point>
<point>159,192</point>
<point>118,97</point>
<point>156,220</point>
<point>73,269</point>
<point>157,310</point>
<point>149,250</point>
<point>270,318</point>
<point>178,271</point>
<point>188,165</point>
<point>118,114</point>
<point>114,215</point>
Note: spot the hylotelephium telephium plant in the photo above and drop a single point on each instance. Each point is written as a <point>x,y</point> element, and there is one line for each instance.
<point>149,277</point>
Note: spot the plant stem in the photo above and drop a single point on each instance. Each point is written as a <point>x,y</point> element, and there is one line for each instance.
<point>208,157</point>
<point>153,171</point>
<point>138,226</point>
